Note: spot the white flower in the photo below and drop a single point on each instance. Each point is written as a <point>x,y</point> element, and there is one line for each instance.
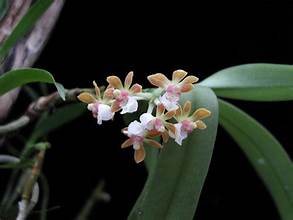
<point>135,128</point>
<point>146,119</point>
<point>182,129</point>
<point>152,123</point>
<point>136,133</point>
<point>124,95</point>
<point>130,106</point>
<point>170,102</point>
<point>101,111</point>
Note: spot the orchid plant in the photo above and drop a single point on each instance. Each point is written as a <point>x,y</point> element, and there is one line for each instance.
<point>171,127</point>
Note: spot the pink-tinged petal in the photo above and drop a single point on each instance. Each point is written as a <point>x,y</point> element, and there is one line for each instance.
<point>86,98</point>
<point>200,124</point>
<point>153,143</point>
<point>135,128</point>
<point>139,154</point>
<point>114,82</point>
<point>128,80</point>
<point>178,75</point>
<point>146,119</point>
<point>131,106</point>
<point>170,105</point>
<point>158,125</point>
<point>127,143</point>
<point>187,108</point>
<point>104,113</point>
<point>159,80</point>
<point>200,113</point>
<point>189,80</point>
<point>136,88</point>
<point>97,89</point>
<point>109,94</point>
<point>186,87</point>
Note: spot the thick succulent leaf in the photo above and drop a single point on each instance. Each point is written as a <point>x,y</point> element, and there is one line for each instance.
<point>25,24</point>
<point>19,77</point>
<point>264,152</point>
<point>177,173</point>
<point>253,82</point>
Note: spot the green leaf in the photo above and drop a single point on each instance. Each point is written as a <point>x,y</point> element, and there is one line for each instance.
<point>177,173</point>
<point>19,77</point>
<point>58,118</point>
<point>3,8</point>
<point>264,152</point>
<point>25,24</point>
<point>253,82</point>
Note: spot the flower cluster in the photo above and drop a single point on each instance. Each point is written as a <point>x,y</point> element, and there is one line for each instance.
<point>170,120</point>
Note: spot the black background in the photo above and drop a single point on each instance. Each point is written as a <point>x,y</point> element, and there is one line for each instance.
<point>93,40</point>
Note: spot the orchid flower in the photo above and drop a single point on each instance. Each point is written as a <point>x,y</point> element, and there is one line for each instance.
<point>159,122</point>
<point>125,98</point>
<point>172,88</point>
<point>137,137</point>
<point>100,107</point>
<point>186,123</point>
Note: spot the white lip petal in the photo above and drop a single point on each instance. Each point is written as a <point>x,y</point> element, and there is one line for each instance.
<point>104,113</point>
<point>146,119</point>
<point>169,105</point>
<point>130,106</point>
<point>179,135</point>
<point>135,128</point>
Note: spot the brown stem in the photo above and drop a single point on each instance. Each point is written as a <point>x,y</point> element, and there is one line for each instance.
<point>35,109</point>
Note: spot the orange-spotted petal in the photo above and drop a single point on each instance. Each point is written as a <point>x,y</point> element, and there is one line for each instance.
<point>178,112</point>
<point>128,80</point>
<point>153,133</point>
<point>200,124</point>
<point>178,75</point>
<point>115,106</point>
<point>139,154</point>
<point>187,87</point>
<point>153,143</point>
<point>158,79</point>
<point>86,98</point>
<point>190,79</point>
<point>108,94</point>
<point>114,82</point>
<point>136,88</point>
<point>97,89</point>
<point>170,127</point>
<point>169,115</point>
<point>200,113</point>
<point>160,109</point>
<point>165,136</point>
<point>127,143</point>
<point>187,108</point>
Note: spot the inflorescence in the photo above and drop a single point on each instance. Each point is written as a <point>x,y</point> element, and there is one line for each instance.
<point>165,98</point>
